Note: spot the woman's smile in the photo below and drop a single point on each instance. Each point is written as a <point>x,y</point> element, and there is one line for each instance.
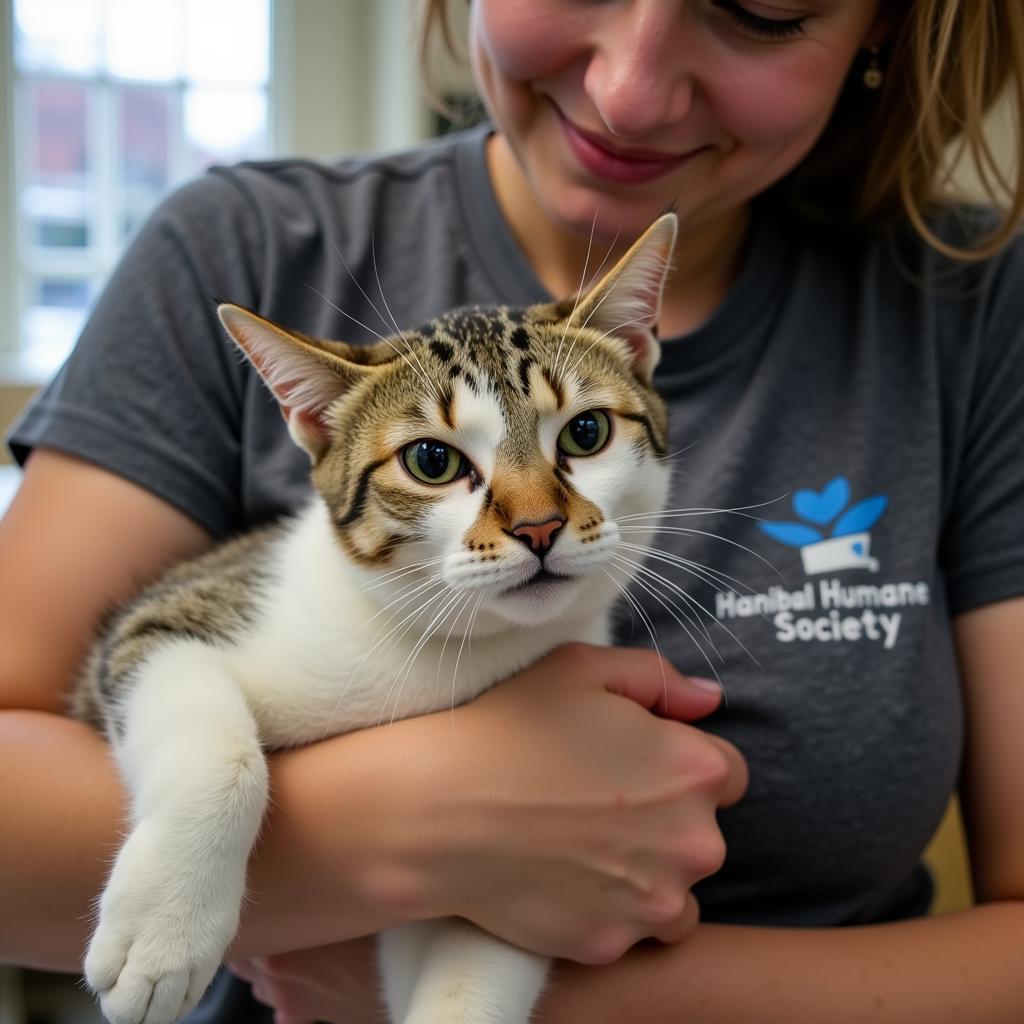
<point>603,159</point>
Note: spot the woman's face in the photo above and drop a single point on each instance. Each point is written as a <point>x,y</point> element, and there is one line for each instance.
<point>629,106</point>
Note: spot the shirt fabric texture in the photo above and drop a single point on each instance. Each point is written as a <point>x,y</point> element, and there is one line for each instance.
<point>857,406</point>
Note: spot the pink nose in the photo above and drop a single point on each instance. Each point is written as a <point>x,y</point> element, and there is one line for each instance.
<point>540,536</point>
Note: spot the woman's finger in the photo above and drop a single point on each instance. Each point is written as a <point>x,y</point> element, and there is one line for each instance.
<point>680,927</point>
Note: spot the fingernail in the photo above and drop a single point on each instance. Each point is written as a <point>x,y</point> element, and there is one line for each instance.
<point>703,683</point>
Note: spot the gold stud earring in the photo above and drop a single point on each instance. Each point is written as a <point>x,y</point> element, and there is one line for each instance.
<point>873,75</point>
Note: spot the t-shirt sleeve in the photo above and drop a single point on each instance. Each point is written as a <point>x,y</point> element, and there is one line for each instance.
<point>153,390</point>
<point>983,539</point>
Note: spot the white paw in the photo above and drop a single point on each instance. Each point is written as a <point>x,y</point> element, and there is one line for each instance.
<point>162,932</point>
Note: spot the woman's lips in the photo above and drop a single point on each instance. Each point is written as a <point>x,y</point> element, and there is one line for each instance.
<point>629,167</point>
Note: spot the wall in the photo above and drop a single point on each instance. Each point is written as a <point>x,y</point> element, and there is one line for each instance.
<point>12,398</point>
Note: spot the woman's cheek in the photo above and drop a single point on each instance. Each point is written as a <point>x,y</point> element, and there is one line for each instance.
<point>526,40</point>
<point>773,107</point>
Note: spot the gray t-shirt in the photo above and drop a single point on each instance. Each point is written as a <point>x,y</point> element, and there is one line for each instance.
<point>865,400</point>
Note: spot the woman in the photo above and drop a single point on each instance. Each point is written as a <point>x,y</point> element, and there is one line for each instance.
<point>831,336</point>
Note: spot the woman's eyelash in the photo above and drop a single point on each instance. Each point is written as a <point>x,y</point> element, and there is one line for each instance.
<point>769,28</point>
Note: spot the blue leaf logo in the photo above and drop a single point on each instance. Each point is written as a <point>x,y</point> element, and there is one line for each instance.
<point>861,516</point>
<point>821,507</point>
<point>796,535</point>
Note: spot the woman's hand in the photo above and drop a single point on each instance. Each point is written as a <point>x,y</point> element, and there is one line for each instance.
<point>568,811</point>
<point>572,808</point>
<point>330,983</point>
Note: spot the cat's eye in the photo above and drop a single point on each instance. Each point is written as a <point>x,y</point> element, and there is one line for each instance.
<point>434,462</point>
<point>585,434</point>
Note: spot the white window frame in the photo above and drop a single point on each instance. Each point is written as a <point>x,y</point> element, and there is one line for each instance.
<point>353,51</point>
<point>9,324</point>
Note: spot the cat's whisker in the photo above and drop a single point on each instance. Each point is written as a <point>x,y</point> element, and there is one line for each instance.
<point>405,622</point>
<point>668,513</point>
<point>355,281</point>
<point>597,305</point>
<point>447,600</point>
<point>667,603</point>
<point>407,665</point>
<point>458,658</point>
<point>394,574</point>
<point>672,585</point>
<point>601,337</point>
<point>694,603</point>
<point>406,594</point>
<point>338,309</point>
<point>646,619</point>
<point>451,629</point>
<point>387,341</point>
<point>645,586</point>
<point>693,639</point>
<point>719,580</point>
<point>401,628</point>
<point>704,533</point>
<point>579,293</point>
<point>639,567</point>
<point>678,452</point>
<point>383,298</point>
<point>433,592</point>
<point>696,569</point>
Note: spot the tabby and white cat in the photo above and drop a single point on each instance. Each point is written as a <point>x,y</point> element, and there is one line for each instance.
<point>472,471</point>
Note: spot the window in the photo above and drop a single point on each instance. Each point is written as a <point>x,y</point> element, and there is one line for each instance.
<point>116,101</point>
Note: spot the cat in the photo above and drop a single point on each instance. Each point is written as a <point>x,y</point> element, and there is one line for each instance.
<point>472,469</point>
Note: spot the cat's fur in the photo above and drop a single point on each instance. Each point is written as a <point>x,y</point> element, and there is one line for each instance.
<point>281,637</point>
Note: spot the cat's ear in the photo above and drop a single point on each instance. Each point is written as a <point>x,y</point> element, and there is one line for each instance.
<point>304,376</point>
<point>626,302</point>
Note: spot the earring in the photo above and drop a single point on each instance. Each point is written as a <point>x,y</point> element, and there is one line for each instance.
<point>873,74</point>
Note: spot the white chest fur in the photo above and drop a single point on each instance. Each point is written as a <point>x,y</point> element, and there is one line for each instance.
<point>326,655</point>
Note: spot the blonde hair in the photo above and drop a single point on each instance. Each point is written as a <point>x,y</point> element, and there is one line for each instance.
<point>885,154</point>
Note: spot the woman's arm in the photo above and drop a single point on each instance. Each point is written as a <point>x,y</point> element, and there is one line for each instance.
<point>962,968</point>
<point>967,966</point>
<point>364,830</point>
<point>76,540</point>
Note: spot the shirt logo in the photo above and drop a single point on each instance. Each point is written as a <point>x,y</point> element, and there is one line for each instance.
<point>832,535</point>
<point>847,542</point>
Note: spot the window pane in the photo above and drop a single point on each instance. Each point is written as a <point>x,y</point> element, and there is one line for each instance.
<point>144,39</point>
<point>61,234</point>
<point>58,35</point>
<point>56,312</point>
<point>119,100</point>
<point>144,117</point>
<point>227,41</point>
<point>222,125</point>
<point>57,197</point>
<point>66,293</point>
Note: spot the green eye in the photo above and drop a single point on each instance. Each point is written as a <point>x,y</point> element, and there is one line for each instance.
<point>433,462</point>
<point>585,434</point>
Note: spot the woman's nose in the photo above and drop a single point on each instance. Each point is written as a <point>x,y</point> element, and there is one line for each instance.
<point>638,77</point>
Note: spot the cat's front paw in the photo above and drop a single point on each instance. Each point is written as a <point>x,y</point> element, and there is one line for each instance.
<point>161,935</point>
<point>139,984</point>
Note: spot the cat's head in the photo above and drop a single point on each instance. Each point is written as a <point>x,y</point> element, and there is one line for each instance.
<point>493,451</point>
